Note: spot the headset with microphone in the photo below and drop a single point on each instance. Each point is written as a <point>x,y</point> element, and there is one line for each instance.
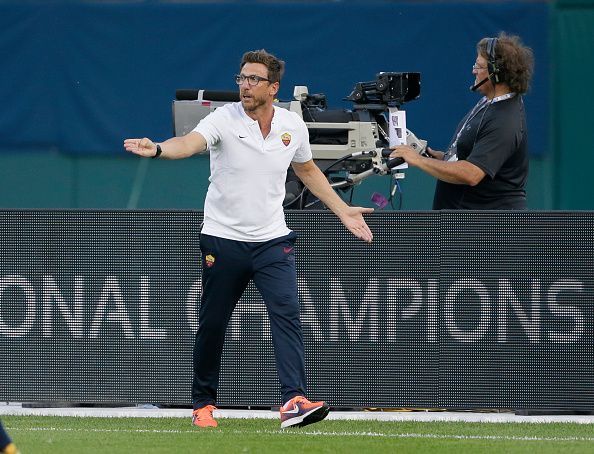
<point>492,67</point>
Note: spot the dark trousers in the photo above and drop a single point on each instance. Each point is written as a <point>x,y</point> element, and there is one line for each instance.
<point>228,266</point>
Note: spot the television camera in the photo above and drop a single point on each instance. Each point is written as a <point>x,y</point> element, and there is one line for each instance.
<point>347,145</point>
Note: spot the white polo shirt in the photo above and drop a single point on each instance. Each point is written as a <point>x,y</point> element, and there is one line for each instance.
<point>248,172</point>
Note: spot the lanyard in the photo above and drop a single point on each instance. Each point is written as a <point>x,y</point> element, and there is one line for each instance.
<point>483,103</point>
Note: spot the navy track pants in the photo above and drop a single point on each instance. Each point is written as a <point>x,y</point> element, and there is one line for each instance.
<point>228,266</point>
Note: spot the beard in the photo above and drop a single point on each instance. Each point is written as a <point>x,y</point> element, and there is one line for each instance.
<point>252,103</point>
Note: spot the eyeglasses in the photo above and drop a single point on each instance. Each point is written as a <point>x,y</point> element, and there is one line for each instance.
<point>252,79</point>
<point>477,67</point>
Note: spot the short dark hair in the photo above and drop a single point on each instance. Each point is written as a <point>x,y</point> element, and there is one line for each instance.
<point>514,60</point>
<point>276,67</point>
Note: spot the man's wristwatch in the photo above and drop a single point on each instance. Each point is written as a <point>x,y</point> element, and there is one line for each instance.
<point>159,151</point>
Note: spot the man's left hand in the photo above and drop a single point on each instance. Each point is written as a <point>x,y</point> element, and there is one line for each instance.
<point>352,218</point>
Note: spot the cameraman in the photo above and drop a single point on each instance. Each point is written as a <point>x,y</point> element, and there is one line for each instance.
<point>486,164</point>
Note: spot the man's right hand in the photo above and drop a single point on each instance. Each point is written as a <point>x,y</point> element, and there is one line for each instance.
<point>142,147</point>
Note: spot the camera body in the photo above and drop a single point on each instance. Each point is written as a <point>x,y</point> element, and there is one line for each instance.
<point>389,88</point>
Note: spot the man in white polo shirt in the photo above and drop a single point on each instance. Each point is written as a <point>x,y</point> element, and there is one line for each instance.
<point>245,237</point>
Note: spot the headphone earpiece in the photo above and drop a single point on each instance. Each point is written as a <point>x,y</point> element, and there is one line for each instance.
<point>492,67</point>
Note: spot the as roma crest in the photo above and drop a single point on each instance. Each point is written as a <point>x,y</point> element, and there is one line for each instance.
<point>286,138</point>
<point>210,260</point>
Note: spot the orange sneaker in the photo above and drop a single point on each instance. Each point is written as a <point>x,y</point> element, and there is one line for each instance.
<point>300,412</point>
<point>202,417</point>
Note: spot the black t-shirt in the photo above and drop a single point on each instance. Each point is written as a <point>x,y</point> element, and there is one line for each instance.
<point>495,140</point>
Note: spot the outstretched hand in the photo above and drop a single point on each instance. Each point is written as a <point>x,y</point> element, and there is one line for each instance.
<point>142,147</point>
<point>352,218</point>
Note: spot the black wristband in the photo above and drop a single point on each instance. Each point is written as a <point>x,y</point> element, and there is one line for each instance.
<point>159,151</point>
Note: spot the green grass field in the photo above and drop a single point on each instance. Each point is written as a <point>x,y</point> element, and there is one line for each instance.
<point>37,434</point>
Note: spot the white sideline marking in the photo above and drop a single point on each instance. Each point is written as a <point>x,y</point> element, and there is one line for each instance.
<point>317,433</point>
<point>16,409</point>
